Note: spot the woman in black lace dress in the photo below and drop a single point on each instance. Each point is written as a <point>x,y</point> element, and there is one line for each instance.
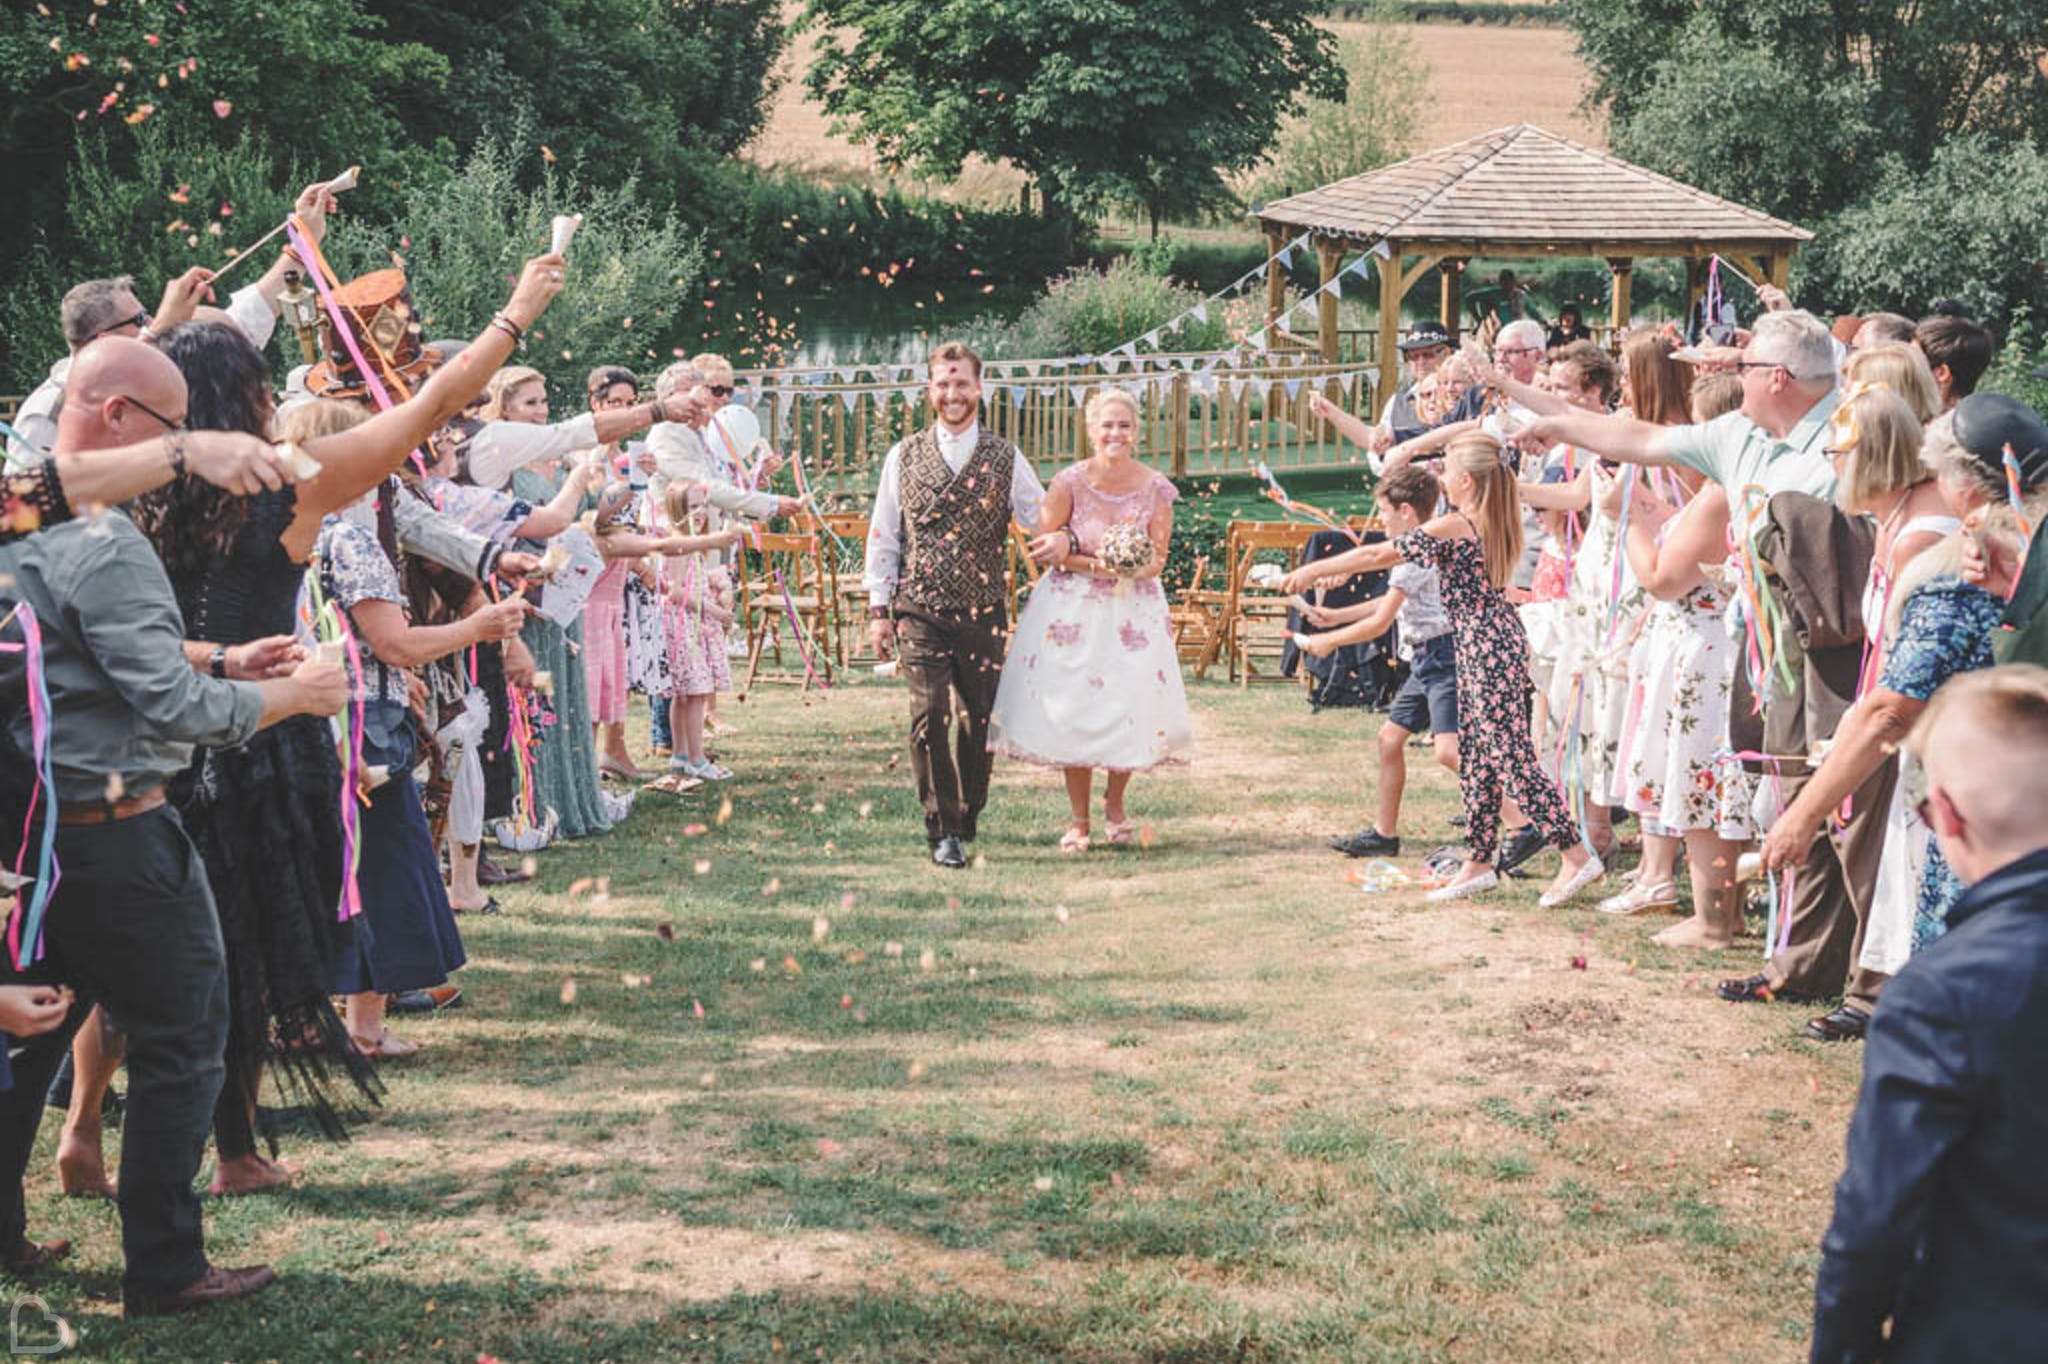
<point>267,814</point>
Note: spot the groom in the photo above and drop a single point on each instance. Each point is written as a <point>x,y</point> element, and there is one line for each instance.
<point>937,548</point>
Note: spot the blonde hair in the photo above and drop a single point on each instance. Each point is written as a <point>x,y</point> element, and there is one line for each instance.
<point>713,369</point>
<point>1110,397</point>
<point>675,500</point>
<point>1496,509</point>
<point>1883,439</point>
<point>1944,559</point>
<point>1903,370</point>
<point>317,417</point>
<point>1715,395</point>
<point>499,389</point>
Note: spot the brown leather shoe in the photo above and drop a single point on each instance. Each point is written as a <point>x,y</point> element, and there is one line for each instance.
<point>489,873</point>
<point>33,1257</point>
<point>215,1286</point>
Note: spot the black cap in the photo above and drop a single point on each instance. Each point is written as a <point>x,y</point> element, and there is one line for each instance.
<point>1986,423</point>
<point>1423,335</point>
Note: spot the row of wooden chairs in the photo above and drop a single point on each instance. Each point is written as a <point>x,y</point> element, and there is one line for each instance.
<point>802,592</point>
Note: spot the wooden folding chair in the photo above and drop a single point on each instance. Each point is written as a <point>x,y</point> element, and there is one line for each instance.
<point>1020,571</point>
<point>1254,623</point>
<point>1193,613</point>
<point>807,588</point>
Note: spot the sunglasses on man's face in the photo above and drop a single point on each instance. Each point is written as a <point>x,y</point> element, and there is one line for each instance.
<point>139,321</point>
<point>720,390</point>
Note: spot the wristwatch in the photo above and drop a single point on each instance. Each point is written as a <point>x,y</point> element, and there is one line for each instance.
<point>217,663</point>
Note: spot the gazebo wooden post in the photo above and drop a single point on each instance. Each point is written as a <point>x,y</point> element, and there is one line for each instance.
<point>1451,305</point>
<point>1695,287</point>
<point>1778,268</point>
<point>1618,310</point>
<point>1389,266</point>
<point>1276,275</point>
<point>1329,257</point>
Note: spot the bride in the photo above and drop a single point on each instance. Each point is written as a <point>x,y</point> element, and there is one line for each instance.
<point>1093,676</point>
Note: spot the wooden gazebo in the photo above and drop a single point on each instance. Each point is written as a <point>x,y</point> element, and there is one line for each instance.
<point>1516,191</point>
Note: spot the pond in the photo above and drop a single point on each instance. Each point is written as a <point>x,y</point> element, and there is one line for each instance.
<point>865,325</point>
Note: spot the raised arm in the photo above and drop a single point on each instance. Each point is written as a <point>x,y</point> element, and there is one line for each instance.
<point>1364,559</point>
<point>357,460</point>
<point>1613,436</point>
<point>560,512</point>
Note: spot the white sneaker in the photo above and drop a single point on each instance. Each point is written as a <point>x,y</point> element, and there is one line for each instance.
<point>1586,875</point>
<point>1465,890</point>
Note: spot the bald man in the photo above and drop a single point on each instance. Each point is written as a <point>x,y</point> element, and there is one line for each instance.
<point>1941,1216</point>
<point>131,924</point>
<point>122,442</point>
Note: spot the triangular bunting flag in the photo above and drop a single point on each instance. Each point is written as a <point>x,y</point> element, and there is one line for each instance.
<point>1293,387</point>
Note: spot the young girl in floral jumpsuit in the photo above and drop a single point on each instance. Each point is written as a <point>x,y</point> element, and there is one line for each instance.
<point>1474,550</point>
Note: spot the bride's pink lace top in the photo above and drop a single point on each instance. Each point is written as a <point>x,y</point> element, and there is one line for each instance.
<point>1095,512</point>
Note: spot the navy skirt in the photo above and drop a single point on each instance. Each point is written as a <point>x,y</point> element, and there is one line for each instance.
<point>406,937</point>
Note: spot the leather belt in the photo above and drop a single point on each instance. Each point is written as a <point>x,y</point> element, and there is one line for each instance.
<point>108,811</point>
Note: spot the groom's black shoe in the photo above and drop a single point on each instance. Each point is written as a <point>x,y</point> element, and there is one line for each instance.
<point>947,852</point>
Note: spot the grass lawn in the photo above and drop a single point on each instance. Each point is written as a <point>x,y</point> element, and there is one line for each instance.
<point>1202,1100</point>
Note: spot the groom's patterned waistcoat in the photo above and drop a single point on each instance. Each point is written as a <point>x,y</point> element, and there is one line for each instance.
<point>956,527</point>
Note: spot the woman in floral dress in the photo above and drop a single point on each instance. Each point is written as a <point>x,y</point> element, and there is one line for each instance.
<point>1673,760</point>
<point>1093,677</point>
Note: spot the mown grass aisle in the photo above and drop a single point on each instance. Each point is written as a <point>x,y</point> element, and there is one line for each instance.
<point>1201,1100</point>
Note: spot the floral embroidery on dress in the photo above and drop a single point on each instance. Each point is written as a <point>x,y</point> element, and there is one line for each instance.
<point>1134,639</point>
<point>1064,633</point>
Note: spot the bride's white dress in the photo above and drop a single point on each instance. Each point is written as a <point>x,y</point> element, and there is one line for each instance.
<point>1093,678</point>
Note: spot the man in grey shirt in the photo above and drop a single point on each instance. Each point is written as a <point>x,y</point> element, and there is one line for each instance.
<point>131,924</point>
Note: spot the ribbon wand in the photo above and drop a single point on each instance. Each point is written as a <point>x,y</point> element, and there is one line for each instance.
<point>344,181</point>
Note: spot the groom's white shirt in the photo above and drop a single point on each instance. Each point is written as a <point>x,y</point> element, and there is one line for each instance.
<point>885,526</point>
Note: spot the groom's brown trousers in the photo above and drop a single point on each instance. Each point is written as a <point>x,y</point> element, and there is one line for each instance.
<point>952,664</point>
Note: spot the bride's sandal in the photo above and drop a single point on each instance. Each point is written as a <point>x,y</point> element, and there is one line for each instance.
<point>1122,830</point>
<point>1074,840</point>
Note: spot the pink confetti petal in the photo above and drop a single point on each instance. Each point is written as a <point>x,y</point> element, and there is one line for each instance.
<point>222,108</point>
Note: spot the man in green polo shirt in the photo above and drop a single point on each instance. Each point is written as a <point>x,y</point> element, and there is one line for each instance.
<point>1776,442</point>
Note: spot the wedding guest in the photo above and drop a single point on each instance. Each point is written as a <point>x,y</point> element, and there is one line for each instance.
<point>1940,1214</point>
<point>266,812</point>
<point>1093,677</point>
<point>564,760</point>
<point>1958,351</point>
<point>410,941</point>
<point>1942,627</point>
<point>1428,699</point>
<point>698,606</point>
<point>1474,549</point>
<point>132,923</point>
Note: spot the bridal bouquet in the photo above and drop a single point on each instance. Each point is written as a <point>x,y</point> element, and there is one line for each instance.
<point>1125,549</point>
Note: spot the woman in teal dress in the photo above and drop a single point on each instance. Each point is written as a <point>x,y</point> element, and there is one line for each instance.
<point>565,761</point>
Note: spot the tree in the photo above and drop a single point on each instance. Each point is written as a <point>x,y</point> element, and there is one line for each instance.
<point>1093,99</point>
<point>463,248</point>
<point>1374,124</point>
<point>1973,225</point>
<point>1794,105</point>
<point>665,86</point>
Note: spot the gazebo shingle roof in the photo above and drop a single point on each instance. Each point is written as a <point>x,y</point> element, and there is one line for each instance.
<point>1523,184</point>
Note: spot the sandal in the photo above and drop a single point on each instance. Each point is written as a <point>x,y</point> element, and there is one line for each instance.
<point>1747,990</point>
<point>1122,830</point>
<point>387,1047</point>
<point>1074,840</point>
<point>625,771</point>
<point>489,906</point>
<point>1639,899</point>
<point>1846,1024</point>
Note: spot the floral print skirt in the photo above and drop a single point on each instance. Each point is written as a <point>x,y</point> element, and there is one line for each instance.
<point>1093,678</point>
<point>1675,734</point>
